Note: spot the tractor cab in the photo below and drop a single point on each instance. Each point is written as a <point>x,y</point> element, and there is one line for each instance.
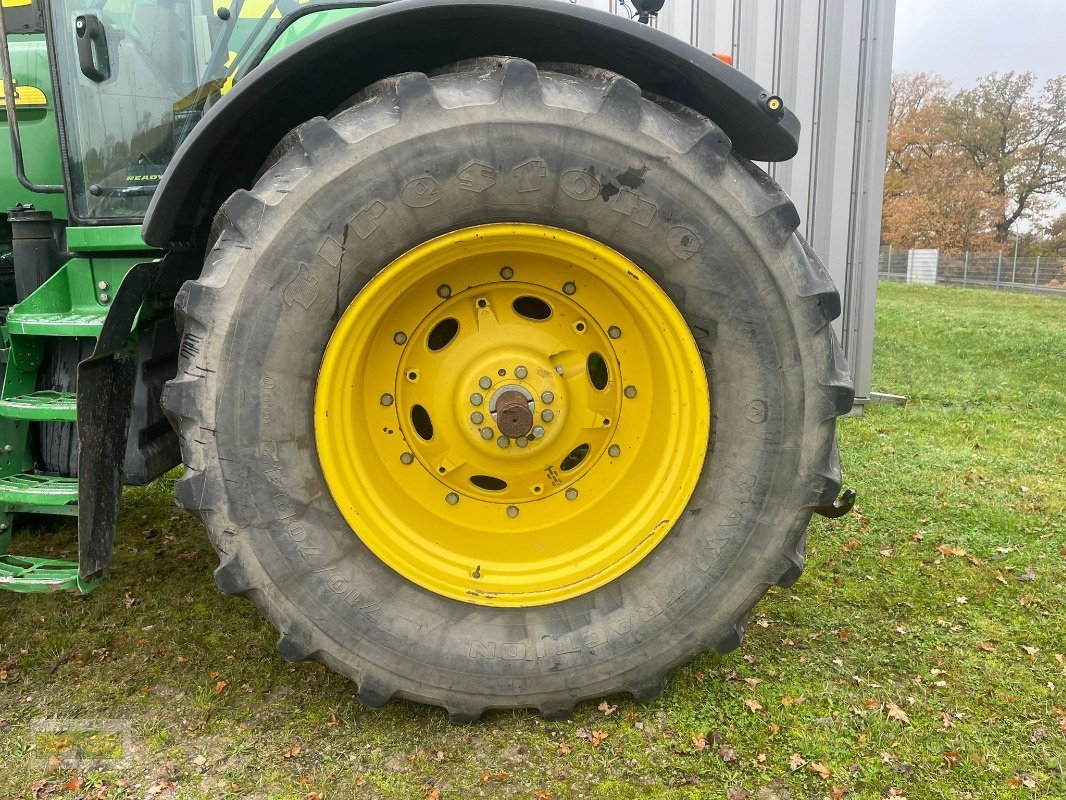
<point>134,78</point>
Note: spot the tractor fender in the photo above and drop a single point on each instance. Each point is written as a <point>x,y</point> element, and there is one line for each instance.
<point>313,77</point>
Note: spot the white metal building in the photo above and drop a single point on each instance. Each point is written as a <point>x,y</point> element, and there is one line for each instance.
<point>831,62</point>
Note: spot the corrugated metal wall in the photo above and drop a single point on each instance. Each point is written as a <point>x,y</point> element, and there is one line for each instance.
<point>831,62</point>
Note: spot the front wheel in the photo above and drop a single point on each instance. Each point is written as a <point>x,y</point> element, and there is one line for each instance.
<point>508,388</point>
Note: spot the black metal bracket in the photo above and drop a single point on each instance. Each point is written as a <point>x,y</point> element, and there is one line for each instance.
<point>106,381</point>
<point>839,507</point>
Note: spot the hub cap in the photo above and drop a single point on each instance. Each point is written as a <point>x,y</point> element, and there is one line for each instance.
<point>511,415</point>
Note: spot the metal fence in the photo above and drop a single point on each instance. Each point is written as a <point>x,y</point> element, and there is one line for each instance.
<point>1043,274</point>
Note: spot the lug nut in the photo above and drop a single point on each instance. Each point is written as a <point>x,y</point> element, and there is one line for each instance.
<point>614,451</point>
<point>399,337</point>
<point>614,331</point>
<point>630,392</point>
<point>386,399</point>
<point>559,368</point>
<point>406,458</point>
<point>507,273</point>
<point>512,511</point>
<point>104,298</point>
<point>477,417</point>
<point>486,433</point>
<point>485,382</point>
<point>103,286</point>
<point>538,432</point>
<point>547,415</point>
<point>571,493</point>
<point>444,291</point>
<point>476,399</point>
<point>569,287</point>
<point>451,498</point>
<point>521,441</point>
<point>546,397</point>
<point>503,441</point>
<point>520,372</point>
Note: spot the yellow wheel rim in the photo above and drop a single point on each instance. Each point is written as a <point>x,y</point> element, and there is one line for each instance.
<point>511,415</point>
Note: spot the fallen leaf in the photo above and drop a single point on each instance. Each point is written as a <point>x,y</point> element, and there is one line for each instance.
<point>961,601</point>
<point>886,553</point>
<point>1028,575</point>
<point>292,752</point>
<point>699,743</point>
<point>220,687</point>
<point>796,761</point>
<point>999,577</point>
<point>563,749</point>
<point>897,713</point>
<point>951,757</point>
<point>433,794</point>
<point>727,753</point>
<point>74,784</point>
<point>1030,651</point>
<point>313,796</point>
<point>736,793</point>
<point>948,720</point>
<point>948,550</point>
<point>821,770</point>
<point>598,737</point>
<point>543,794</point>
<point>752,704</point>
<point>988,647</point>
<point>837,792</point>
<point>607,709</point>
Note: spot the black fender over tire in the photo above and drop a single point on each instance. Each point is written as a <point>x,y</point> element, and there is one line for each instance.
<point>655,181</point>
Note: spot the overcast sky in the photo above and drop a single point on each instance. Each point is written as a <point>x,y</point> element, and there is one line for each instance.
<point>964,39</point>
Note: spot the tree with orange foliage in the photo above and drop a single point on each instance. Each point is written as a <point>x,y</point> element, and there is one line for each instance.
<point>934,195</point>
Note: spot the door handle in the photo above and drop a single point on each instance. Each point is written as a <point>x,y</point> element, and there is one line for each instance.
<point>93,57</point>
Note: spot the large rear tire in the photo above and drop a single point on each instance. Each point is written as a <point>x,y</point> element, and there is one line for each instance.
<point>412,167</point>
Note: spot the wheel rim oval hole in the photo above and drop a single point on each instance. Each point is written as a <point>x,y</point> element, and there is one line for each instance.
<point>532,308</point>
<point>442,334</point>
<point>574,457</point>
<point>423,424</point>
<point>599,375</point>
<point>489,483</point>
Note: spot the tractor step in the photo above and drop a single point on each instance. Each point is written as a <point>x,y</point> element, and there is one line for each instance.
<point>25,574</point>
<point>34,323</point>
<point>41,406</point>
<point>48,494</point>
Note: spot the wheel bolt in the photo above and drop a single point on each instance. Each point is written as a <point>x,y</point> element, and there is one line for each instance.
<point>399,337</point>
<point>538,431</point>
<point>630,392</point>
<point>571,493</point>
<point>503,441</point>
<point>569,287</point>
<point>614,331</point>
<point>477,417</point>
<point>451,498</point>
<point>614,451</point>
<point>521,441</point>
<point>444,291</point>
<point>520,372</point>
<point>512,511</point>
<point>386,399</point>
<point>486,433</point>
<point>485,382</point>
<point>546,397</point>
<point>507,273</point>
<point>559,368</point>
<point>547,415</point>
<point>406,458</point>
<point>476,399</point>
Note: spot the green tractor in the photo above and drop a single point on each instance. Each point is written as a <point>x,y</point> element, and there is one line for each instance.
<point>498,371</point>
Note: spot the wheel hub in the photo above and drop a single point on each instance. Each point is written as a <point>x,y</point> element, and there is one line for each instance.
<point>468,434</point>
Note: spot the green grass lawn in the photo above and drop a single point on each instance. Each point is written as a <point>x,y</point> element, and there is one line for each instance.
<point>920,655</point>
